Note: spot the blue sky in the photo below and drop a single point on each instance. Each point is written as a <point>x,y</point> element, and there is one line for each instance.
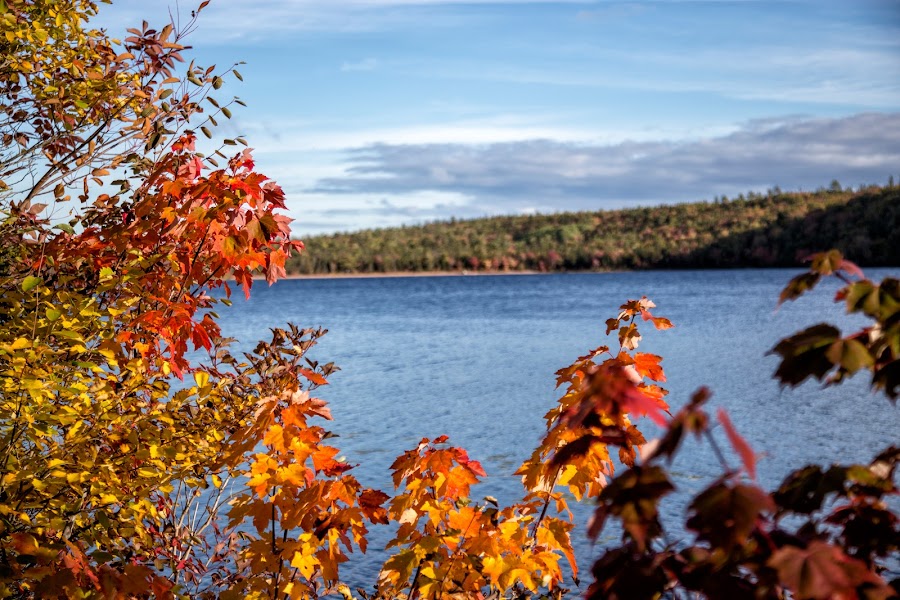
<point>373,113</point>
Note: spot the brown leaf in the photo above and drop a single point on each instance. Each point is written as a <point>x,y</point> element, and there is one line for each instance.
<point>803,354</point>
<point>821,571</point>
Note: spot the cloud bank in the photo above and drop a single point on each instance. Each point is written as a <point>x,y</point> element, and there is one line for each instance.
<point>549,175</point>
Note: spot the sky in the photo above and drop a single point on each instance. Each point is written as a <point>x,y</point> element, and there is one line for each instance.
<point>376,113</point>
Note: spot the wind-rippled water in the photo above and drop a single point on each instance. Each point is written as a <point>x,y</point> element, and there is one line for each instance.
<point>474,358</point>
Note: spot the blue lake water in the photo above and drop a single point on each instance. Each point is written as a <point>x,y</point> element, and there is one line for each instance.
<point>474,358</point>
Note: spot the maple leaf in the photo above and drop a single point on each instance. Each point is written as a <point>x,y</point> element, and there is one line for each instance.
<point>662,323</point>
<point>633,497</point>
<point>629,337</point>
<point>804,354</point>
<point>821,571</point>
<point>797,286</point>
<point>371,501</point>
<point>647,365</point>
<point>725,515</point>
<point>313,376</point>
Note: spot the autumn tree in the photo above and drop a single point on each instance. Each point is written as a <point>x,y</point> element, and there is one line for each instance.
<point>116,231</point>
<point>127,469</point>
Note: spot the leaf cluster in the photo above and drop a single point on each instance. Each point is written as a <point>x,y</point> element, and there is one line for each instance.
<point>825,532</point>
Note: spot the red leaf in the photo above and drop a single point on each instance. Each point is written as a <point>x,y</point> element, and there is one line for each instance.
<point>462,457</point>
<point>739,444</point>
<point>640,404</point>
<point>851,268</point>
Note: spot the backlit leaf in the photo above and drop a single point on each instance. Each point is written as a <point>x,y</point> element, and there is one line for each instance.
<point>30,282</point>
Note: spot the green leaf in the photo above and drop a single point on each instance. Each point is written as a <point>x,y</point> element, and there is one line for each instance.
<point>797,286</point>
<point>65,227</point>
<point>30,282</point>
<point>53,314</point>
<point>849,354</point>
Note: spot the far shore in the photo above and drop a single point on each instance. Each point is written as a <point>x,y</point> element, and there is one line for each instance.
<point>392,274</point>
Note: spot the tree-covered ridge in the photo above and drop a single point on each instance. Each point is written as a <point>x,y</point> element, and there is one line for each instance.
<point>778,229</point>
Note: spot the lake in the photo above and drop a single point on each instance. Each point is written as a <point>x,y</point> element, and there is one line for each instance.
<point>474,358</point>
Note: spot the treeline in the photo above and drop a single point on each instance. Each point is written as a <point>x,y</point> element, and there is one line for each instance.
<point>772,230</point>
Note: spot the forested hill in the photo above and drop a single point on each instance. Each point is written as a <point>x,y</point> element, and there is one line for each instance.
<point>762,231</point>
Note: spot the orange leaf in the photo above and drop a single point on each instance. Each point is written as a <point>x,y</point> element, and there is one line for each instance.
<point>313,377</point>
<point>662,323</point>
<point>647,365</point>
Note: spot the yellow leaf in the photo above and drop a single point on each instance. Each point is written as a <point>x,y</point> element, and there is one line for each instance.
<point>20,343</point>
<point>429,572</point>
<point>306,563</point>
<point>202,378</point>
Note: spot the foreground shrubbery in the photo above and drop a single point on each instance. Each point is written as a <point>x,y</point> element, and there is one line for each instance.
<point>128,470</point>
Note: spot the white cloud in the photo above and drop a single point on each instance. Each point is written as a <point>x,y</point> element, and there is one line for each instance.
<point>388,184</point>
<point>566,175</point>
<point>292,136</point>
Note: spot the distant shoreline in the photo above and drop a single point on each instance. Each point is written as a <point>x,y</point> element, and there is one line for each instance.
<point>395,274</point>
<point>398,274</point>
<point>776,230</point>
